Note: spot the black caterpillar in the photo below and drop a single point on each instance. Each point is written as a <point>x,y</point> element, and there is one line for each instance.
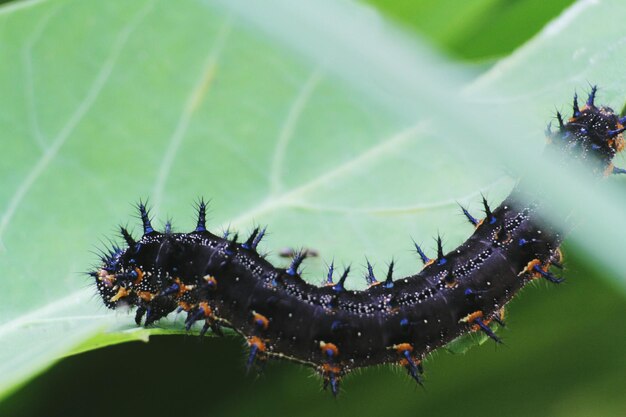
<point>225,283</point>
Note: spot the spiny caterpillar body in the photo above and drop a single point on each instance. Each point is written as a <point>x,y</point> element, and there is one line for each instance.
<point>224,283</point>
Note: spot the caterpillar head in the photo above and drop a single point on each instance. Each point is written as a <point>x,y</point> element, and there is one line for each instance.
<point>112,282</point>
<point>592,135</point>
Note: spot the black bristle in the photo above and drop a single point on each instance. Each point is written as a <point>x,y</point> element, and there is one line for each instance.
<point>547,275</point>
<point>332,381</point>
<point>252,356</point>
<point>249,243</point>
<point>295,263</point>
<point>145,218</point>
<point>370,278</point>
<point>192,317</point>
<point>592,96</point>
<point>469,217</point>
<point>329,276</point>
<point>141,311</point>
<point>613,133</point>
<point>488,214</point>
<point>201,224</point>
<point>575,107</point>
<point>440,255</point>
<point>559,117</point>
<point>258,238</point>
<point>389,280</point>
<point>425,259</point>
<point>487,330</point>
<point>231,246</point>
<point>412,368</point>
<point>339,286</point>
<point>127,237</point>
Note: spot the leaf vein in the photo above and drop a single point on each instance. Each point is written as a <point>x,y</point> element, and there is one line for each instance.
<point>85,105</point>
<point>288,127</point>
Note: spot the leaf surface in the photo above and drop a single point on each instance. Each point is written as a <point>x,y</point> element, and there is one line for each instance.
<point>337,150</point>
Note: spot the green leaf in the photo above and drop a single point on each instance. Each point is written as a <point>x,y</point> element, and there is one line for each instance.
<point>324,124</point>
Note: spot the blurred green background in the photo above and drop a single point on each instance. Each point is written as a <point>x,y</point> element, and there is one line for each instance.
<point>557,360</point>
<point>474,30</point>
